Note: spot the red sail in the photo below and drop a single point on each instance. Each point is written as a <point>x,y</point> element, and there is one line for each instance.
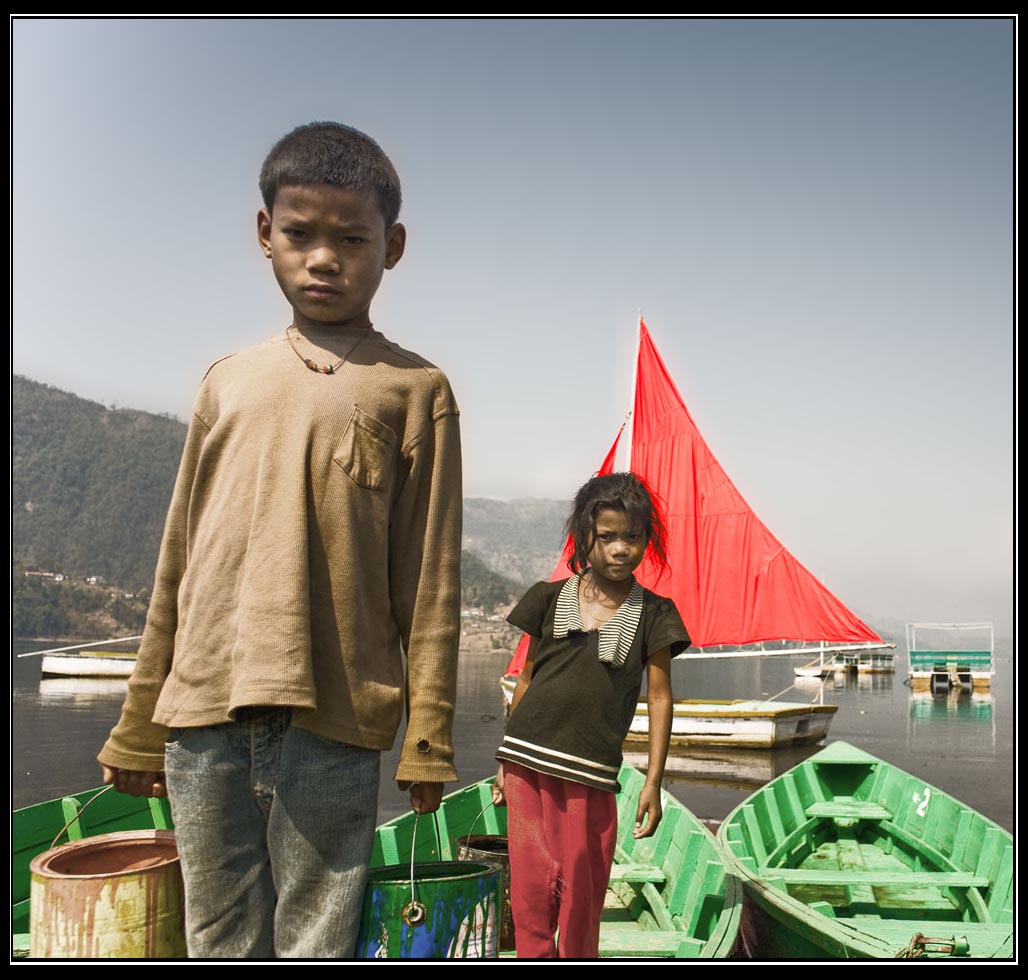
<point>732,580</point>
<point>517,662</point>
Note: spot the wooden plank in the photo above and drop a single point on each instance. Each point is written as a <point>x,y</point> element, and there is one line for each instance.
<point>386,836</point>
<point>754,831</point>
<point>849,809</point>
<point>657,908</point>
<point>443,835</point>
<point>811,876</point>
<point>683,890</point>
<point>647,942</point>
<point>1001,901</point>
<point>636,873</point>
<point>160,813</point>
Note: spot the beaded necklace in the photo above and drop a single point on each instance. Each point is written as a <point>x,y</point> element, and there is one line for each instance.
<point>323,368</point>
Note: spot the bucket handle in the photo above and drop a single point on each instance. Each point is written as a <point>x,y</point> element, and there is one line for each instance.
<point>414,912</point>
<point>79,813</point>
<point>471,833</point>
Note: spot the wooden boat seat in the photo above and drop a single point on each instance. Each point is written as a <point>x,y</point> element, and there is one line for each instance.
<point>647,942</point>
<point>833,876</point>
<point>636,873</point>
<point>843,808</point>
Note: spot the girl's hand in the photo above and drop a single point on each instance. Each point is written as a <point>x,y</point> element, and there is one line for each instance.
<point>649,806</point>
<point>499,798</point>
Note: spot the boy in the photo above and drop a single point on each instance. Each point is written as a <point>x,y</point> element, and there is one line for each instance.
<point>314,530</point>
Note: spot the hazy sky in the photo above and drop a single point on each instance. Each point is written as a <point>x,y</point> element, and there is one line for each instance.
<point>815,216</point>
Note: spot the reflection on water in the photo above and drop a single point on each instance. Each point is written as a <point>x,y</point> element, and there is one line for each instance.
<point>730,768</point>
<point>956,705</point>
<point>82,690</point>
<point>960,714</point>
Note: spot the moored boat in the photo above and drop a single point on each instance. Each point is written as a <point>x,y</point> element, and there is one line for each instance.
<point>854,660</point>
<point>669,895</point>
<point>954,667</point>
<point>848,856</point>
<point>731,724</point>
<point>742,724</point>
<point>876,662</point>
<point>100,663</point>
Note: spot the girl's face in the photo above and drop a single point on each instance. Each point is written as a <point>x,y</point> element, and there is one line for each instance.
<point>619,546</point>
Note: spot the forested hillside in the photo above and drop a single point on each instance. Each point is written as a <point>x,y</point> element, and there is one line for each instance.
<point>90,485</point>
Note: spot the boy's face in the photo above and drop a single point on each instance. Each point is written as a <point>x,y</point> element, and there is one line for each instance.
<point>328,247</point>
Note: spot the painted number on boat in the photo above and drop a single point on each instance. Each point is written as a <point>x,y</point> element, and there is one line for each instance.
<point>922,806</point>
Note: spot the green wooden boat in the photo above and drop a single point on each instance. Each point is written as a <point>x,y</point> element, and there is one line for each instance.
<point>669,896</point>
<point>847,856</point>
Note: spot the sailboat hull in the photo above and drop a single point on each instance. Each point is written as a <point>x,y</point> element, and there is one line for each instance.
<point>730,724</point>
<point>88,665</point>
<point>741,724</point>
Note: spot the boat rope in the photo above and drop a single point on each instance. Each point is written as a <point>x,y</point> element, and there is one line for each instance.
<point>921,945</point>
<point>79,813</point>
<point>775,697</point>
<point>79,646</point>
<point>813,700</point>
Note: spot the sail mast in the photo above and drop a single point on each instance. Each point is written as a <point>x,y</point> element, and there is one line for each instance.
<point>629,422</point>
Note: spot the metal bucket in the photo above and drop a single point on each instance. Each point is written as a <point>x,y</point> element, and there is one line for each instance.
<point>449,911</point>
<point>491,849</point>
<point>113,896</point>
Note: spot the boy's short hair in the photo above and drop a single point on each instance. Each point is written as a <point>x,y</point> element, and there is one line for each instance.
<point>331,153</point>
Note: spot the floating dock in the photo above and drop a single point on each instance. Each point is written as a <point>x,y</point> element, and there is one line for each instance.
<point>941,671</point>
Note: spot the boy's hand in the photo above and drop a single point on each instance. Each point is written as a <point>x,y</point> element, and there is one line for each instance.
<point>134,782</point>
<point>649,806</point>
<point>424,797</point>
<point>499,797</point>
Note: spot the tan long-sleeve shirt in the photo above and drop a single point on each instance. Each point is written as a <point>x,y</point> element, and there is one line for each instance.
<point>313,538</point>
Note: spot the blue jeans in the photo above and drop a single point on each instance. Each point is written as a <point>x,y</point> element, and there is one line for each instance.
<point>274,827</point>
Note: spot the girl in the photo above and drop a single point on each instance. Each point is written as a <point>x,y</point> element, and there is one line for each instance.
<point>592,636</point>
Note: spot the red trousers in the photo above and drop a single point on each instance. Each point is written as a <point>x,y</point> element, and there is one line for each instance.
<point>561,838</point>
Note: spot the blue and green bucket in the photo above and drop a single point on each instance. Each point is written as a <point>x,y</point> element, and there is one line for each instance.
<point>442,910</point>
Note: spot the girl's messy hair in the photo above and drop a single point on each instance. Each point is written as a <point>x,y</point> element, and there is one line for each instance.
<point>618,491</point>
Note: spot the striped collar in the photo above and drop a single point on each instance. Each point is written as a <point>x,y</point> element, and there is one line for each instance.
<point>616,635</point>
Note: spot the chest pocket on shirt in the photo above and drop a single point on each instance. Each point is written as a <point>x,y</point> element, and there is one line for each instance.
<point>366,451</point>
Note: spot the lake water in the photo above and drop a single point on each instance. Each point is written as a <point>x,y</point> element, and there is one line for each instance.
<point>963,745</point>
